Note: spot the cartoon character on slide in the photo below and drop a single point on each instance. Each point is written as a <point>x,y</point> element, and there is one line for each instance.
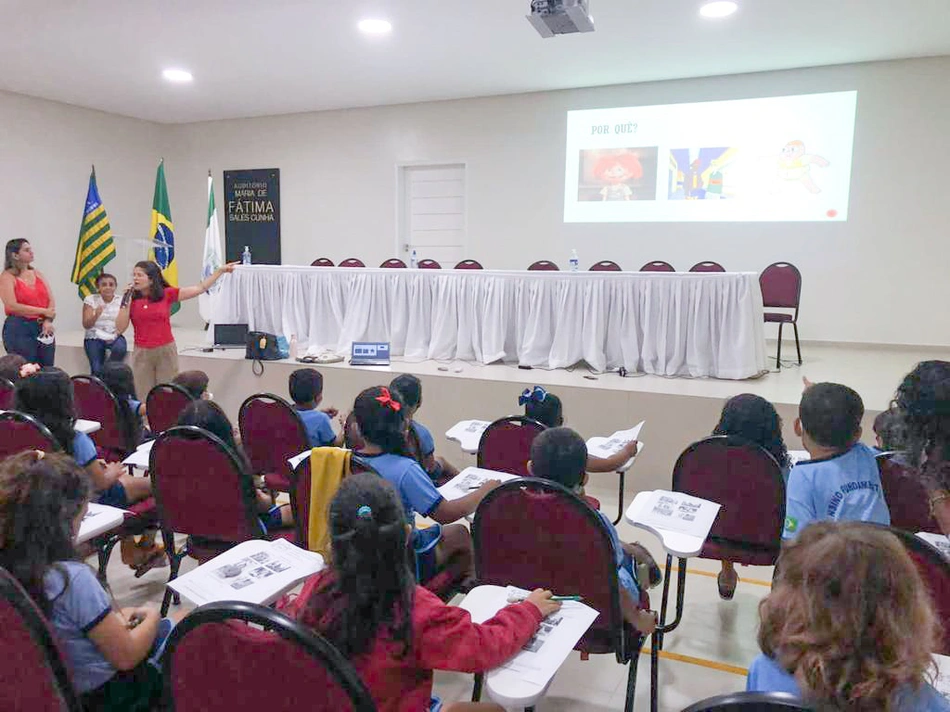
<point>795,165</point>
<point>616,170</point>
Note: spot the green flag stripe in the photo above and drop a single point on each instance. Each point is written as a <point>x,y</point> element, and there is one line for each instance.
<point>92,240</point>
<point>96,228</point>
<point>94,215</point>
<point>103,254</point>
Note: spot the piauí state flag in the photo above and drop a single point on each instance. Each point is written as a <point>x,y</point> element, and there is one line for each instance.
<point>212,258</point>
<point>162,234</point>
<point>96,246</point>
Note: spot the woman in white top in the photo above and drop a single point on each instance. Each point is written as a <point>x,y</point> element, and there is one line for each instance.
<point>98,318</point>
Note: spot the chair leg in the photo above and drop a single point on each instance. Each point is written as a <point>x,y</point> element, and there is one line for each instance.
<point>654,674</point>
<point>658,640</point>
<point>103,553</point>
<point>620,500</point>
<point>778,355</point>
<point>631,681</point>
<point>174,564</point>
<point>798,346</point>
<point>477,687</point>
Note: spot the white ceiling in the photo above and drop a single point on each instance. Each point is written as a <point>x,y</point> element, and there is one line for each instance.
<point>260,57</point>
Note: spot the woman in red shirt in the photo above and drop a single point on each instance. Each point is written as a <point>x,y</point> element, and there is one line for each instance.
<point>147,305</point>
<point>29,306</point>
<point>394,632</point>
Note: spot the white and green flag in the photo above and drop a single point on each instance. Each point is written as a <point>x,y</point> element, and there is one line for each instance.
<point>213,257</point>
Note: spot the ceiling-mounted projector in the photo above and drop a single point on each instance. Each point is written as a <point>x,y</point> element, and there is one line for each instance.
<point>560,17</point>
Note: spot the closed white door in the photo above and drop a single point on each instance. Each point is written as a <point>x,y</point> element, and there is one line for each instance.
<point>432,213</point>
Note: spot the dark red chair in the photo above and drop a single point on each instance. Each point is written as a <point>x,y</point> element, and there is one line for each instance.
<point>201,489</point>
<point>19,432</point>
<point>429,264</point>
<point>743,478</point>
<point>533,533</point>
<point>94,401</point>
<point>300,483</point>
<point>322,262</point>
<point>907,499</point>
<point>658,266</point>
<point>469,264</point>
<point>209,653</point>
<point>352,262</point>
<point>272,432</point>
<point>750,702</point>
<point>605,266</point>
<point>33,676</point>
<point>934,569</point>
<point>505,446</point>
<point>707,267</point>
<point>543,266</point>
<point>164,404</point>
<point>781,285</point>
<point>7,391</point>
<point>393,263</point>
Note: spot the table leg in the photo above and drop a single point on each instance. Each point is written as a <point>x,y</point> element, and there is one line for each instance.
<point>620,499</point>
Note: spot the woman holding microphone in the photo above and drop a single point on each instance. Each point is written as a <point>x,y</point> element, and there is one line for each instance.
<point>29,305</point>
<point>147,304</point>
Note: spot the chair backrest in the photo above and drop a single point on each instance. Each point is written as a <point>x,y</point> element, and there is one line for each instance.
<point>33,675</point>
<point>94,401</point>
<point>907,498</point>
<point>7,390</point>
<point>707,267</point>
<point>750,702</point>
<point>533,533</point>
<point>781,285</point>
<point>301,480</point>
<point>543,266</point>
<point>164,404</point>
<point>744,479</point>
<point>429,264</point>
<point>322,262</point>
<point>293,667</point>
<point>395,263</point>
<point>658,266</point>
<point>505,446</point>
<point>352,262</point>
<point>271,433</point>
<point>934,569</point>
<point>469,264</point>
<point>605,266</point>
<point>19,432</point>
<point>201,488</point>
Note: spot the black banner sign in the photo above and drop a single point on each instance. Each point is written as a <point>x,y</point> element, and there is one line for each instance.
<point>252,215</point>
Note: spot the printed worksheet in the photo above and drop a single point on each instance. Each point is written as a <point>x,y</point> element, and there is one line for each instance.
<point>470,479</point>
<point>607,447</point>
<point>678,512</point>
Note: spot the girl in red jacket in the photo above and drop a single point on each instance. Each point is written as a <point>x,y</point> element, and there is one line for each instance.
<point>394,632</point>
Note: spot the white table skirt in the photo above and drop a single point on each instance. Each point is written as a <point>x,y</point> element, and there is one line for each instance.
<point>671,324</point>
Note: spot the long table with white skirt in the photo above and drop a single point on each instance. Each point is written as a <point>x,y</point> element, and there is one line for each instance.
<point>671,324</point>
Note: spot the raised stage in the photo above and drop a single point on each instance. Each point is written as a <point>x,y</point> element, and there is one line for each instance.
<point>677,410</point>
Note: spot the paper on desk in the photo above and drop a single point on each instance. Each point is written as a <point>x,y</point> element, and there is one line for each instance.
<point>942,680</point>
<point>939,542</point>
<point>678,512</point>
<point>607,447</point>
<point>469,479</point>
<point>255,571</point>
<point>547,650</point>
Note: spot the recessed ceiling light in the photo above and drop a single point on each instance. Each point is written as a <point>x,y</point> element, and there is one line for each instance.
<point>719,8</point>
<point>179,76</point>
<point>375,26</point>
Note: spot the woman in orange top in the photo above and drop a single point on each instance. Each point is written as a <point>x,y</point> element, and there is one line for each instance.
<point>29,306</point>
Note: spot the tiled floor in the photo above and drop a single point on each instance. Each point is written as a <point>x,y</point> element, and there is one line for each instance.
<point>705,656</point>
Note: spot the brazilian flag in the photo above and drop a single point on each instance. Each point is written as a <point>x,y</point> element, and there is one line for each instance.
<point>163,232</point>
<point>96,246</point>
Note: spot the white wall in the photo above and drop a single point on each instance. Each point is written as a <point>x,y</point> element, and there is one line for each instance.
<point>46,151</point>
<point>880,277</point>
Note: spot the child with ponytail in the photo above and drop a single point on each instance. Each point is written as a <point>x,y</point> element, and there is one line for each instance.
<point>393,631</point>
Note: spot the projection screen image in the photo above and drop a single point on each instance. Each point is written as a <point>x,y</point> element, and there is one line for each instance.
<point>782,158</point>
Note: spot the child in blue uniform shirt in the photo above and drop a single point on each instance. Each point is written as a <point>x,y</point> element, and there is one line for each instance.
<point>410,389</point>
<point>849,624</point>
<point>306,391</point>
<point>560,455</point>
<point>841,480</point>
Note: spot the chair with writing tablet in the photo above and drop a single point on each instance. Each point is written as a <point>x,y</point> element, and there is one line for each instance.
<point>534,533</point>
<point>907,498</point>
<point>209,653</point>
<point>19,432</point>
<point>605,266</point>
<point>429,264</point>
<point>750,702</point>
<point>658,266</point>
<point>163,404</point>
<point>272,432</point>
<point>543,266</point>
<point>469,264</point>
<point>394,263</point>
<point>322,262</point>
<point>352,262</point>
<point>94,401</point>
<point>7,391</point>
<point>505,445</point>
<point>34,677</point>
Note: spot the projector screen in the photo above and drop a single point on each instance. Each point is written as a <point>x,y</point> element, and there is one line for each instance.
<point>783,158</point>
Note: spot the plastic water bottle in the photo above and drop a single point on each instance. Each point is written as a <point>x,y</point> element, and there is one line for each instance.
<point>413,262</point>
<point>293,347</point>
<point>246,256</point>
<point>575,263</point>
